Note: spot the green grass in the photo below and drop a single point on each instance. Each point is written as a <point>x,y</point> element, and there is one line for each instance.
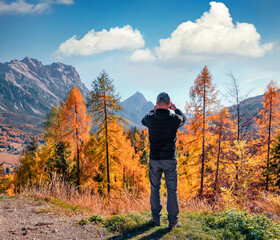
<point>4,196</point>
<point>56,202</point>
<point>64,205</point>
<point>127,223</point>
<point>232,224</point>
<point>83,222</point>
<point>226,225</point>
<point>96,219</point>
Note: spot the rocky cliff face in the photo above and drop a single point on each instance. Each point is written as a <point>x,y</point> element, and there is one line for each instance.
<point>28,90</point>
<point>29,87</point>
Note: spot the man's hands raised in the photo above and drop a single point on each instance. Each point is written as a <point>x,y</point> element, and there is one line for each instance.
<point>173,107</point>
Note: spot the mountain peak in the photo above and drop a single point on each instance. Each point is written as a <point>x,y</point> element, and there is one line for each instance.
<point>33,88</point>
<point>135,107</point>
<point>31,63</point>
<point>28,60</point>
<point>138,97</point>
<point>138,93</point>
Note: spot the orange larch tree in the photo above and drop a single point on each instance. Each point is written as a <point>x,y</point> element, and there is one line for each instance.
<point>188,155</point>
<point>75,124</point>
<point>268,123</point>
<point>203,97</point>
<point>220,128</point>
<point>104,104</point>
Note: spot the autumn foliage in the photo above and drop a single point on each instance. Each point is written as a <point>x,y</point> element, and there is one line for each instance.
<point>71,152</point>
<point>86,145</point>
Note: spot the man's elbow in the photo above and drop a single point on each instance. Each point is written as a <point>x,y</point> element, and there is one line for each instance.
<point>182,121</point>
<point>143,122</point>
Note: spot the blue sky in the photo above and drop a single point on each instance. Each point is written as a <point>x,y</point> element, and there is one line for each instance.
<point>149,45</point>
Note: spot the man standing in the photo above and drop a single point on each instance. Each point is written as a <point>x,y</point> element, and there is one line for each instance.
<point>163,126</point>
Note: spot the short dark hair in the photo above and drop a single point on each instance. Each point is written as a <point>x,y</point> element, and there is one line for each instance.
<point>163,98</point>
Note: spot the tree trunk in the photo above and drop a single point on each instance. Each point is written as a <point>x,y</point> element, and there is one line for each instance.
<point>218,160</point>
<point>29,174</point>
<point>203,143</point>
<point>124,179</point>
<point>78,167</point>
<point>107,151</point>
<point>268,144</point>
<point>78,150</point>
<point>238,134</point>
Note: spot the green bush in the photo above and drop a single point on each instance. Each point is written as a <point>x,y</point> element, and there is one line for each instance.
<point>96,219</point>
<point>124,223</point>
<point>83,222</point>
<point>116,223</point>
<point>240,225</point>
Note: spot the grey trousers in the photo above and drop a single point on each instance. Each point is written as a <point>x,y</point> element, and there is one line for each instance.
<point>156,168</point>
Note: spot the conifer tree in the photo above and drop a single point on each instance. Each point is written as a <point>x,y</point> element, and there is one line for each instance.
<point>268,123</point>
<point>241,116</point>
<point>275,162</point>
<point>239,110</point>
<point>75,124</point>
<point>202,100</point>
<point>59,162</point>
<point>28,167</point>
<point>220,128</point>
<point>104,104</point>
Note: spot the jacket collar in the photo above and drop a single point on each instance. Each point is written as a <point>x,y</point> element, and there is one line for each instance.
<point>162,110</point>
<point>162,114</point>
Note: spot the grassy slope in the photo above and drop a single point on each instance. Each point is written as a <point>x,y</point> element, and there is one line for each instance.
<point>227,225</point>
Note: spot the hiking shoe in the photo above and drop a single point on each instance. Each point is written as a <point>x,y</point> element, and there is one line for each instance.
<point>176,224</point>
<point>155,222</point>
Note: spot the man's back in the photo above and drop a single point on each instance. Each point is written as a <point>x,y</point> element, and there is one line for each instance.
<point>163,126</point>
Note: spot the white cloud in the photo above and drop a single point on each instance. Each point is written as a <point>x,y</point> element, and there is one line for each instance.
<point>66,2</point>
<point>142,55</point>
<point>124,38</point>
<point>23,7</point>
<point>213,34</point>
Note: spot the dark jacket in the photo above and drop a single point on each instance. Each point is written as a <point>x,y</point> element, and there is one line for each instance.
<point>163,126</point>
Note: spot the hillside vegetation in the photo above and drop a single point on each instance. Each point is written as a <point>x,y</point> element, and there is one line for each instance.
<point>226,160</point>
<point>51,218</point>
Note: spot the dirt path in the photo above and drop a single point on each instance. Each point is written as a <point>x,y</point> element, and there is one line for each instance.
<point>26,218</point>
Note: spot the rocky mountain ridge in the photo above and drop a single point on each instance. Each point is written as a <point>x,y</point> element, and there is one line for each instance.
<point>29,87</point>
<point>28,90</point>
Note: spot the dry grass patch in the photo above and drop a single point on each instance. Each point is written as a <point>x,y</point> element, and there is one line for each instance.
<point>67,197</point>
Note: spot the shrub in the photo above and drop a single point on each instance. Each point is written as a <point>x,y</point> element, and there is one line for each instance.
<point>96,219</point>
<point>116,223</point>
<point>83,222</point>
<point>127,223</point>
<point>233,224</point>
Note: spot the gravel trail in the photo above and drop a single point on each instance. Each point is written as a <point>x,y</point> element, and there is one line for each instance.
<point>25,218</point>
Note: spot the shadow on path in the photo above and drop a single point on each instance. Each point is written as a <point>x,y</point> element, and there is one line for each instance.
<point>131,233</point>
<point>157,234</point>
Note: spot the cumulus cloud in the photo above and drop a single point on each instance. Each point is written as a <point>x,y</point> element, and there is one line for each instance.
<point>142,55</point>
<point>66,2</point>
<point>23,7</point>
<point>213,34</point>
<point>124,38</point>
